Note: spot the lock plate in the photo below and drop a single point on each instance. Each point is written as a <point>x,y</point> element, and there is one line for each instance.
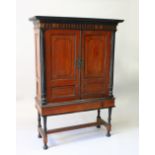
<point>80,63</point>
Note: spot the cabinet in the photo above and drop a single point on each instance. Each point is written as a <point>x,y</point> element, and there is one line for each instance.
<point>74,68</point>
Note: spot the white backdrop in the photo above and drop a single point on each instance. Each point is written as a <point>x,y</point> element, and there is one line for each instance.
<point>126,66</point>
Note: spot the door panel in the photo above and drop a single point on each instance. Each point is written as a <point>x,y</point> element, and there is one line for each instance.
<point>62,74</point>
<point>96,63</point>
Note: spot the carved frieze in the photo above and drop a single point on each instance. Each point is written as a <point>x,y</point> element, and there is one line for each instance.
<point>47,26</point>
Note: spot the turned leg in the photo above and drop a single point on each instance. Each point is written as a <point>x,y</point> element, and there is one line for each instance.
<point>39,124</point>
<point>98,118</point>
<point>45,132</point>
<point>109,122</point>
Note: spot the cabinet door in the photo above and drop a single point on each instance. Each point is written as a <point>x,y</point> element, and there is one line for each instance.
<point>96,47</point>
<point>62,74</point>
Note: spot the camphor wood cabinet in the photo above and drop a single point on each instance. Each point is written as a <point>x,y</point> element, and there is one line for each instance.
<point>74,68</point>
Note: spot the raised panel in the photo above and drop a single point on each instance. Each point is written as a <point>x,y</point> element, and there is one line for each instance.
<point>62,56</point>
<point>62,75</point>
<point>92,88</point>
<point>65,91</point>
<point>94,56</point>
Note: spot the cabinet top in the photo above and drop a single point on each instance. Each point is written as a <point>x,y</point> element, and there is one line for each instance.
<point>74,20</point>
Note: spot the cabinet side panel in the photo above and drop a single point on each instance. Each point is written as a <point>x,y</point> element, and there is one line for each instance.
<point>37,64</point>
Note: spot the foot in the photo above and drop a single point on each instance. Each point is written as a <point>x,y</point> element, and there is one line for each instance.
<point>45,147</point>
<point>98,126</point>
<point>39,135</point>
<point>108,134</point>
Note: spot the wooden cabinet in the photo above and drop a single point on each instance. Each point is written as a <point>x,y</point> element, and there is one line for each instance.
<point>74,68</point>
